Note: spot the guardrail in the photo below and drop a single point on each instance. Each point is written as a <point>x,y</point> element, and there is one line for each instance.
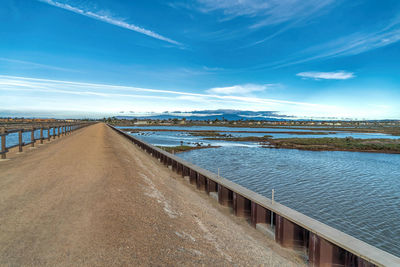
<point>324,245</point>
<point>54,131</point>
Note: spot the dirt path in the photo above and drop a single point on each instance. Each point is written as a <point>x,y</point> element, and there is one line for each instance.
<point>93,198</point>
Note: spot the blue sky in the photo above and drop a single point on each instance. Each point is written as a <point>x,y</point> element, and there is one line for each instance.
<point>312,58</point>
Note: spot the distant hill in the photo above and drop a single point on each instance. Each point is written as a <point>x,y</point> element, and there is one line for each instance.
<point>220,114</point>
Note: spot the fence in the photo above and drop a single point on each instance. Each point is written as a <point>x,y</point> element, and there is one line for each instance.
<point>324,245</point>
<point>10,138</point>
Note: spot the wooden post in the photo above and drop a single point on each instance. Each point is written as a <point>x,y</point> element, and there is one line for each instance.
<point>48,133</point>
<point>54,132</point>
<point>41,134</point>
<point>3,142</point>
<point>58,133</point>
<point>273,196</point>
<point>20,144</point>
<point>33,137</point>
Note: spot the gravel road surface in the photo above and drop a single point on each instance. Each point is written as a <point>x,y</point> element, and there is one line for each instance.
<point>92,198</point>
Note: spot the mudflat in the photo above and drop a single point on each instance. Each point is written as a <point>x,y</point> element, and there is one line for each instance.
<point>93,198</point>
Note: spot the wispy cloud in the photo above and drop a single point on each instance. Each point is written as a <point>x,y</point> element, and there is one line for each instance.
<point>234,7</point>
<point>239,89</point>
<point>34,64</point>
<point>266,12</point>
<point>110,20</point>
<point>212,69</point>
<point>359,42</point>
<point>260,13</point>
<point>337,75</point>
<point>349,45</point>
<point>11,83</point>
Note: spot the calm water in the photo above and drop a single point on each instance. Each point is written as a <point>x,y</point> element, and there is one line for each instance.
<point>357,193</point>
<point>338,134</point>
<point>174,138</point>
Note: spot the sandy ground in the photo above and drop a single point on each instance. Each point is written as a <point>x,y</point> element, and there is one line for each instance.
<point>93,198</point>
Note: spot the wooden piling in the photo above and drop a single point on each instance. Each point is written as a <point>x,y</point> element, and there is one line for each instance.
<point>289,234</point>
<point>241,206</point>
<point>259,214</point>
<point>225,196</point>
<point>3,134</point>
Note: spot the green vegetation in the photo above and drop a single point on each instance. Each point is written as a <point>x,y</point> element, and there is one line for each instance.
<point>345,144</point>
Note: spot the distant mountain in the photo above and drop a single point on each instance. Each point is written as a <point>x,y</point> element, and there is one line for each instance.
<point>220,114</point>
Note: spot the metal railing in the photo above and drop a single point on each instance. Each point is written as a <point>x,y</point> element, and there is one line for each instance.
<point>43,132</point>
<point>324,245</point>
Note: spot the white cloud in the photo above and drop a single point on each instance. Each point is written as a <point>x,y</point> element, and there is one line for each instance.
<point>239,89</point>
<point>337,75</point>
<point>110,20</point>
